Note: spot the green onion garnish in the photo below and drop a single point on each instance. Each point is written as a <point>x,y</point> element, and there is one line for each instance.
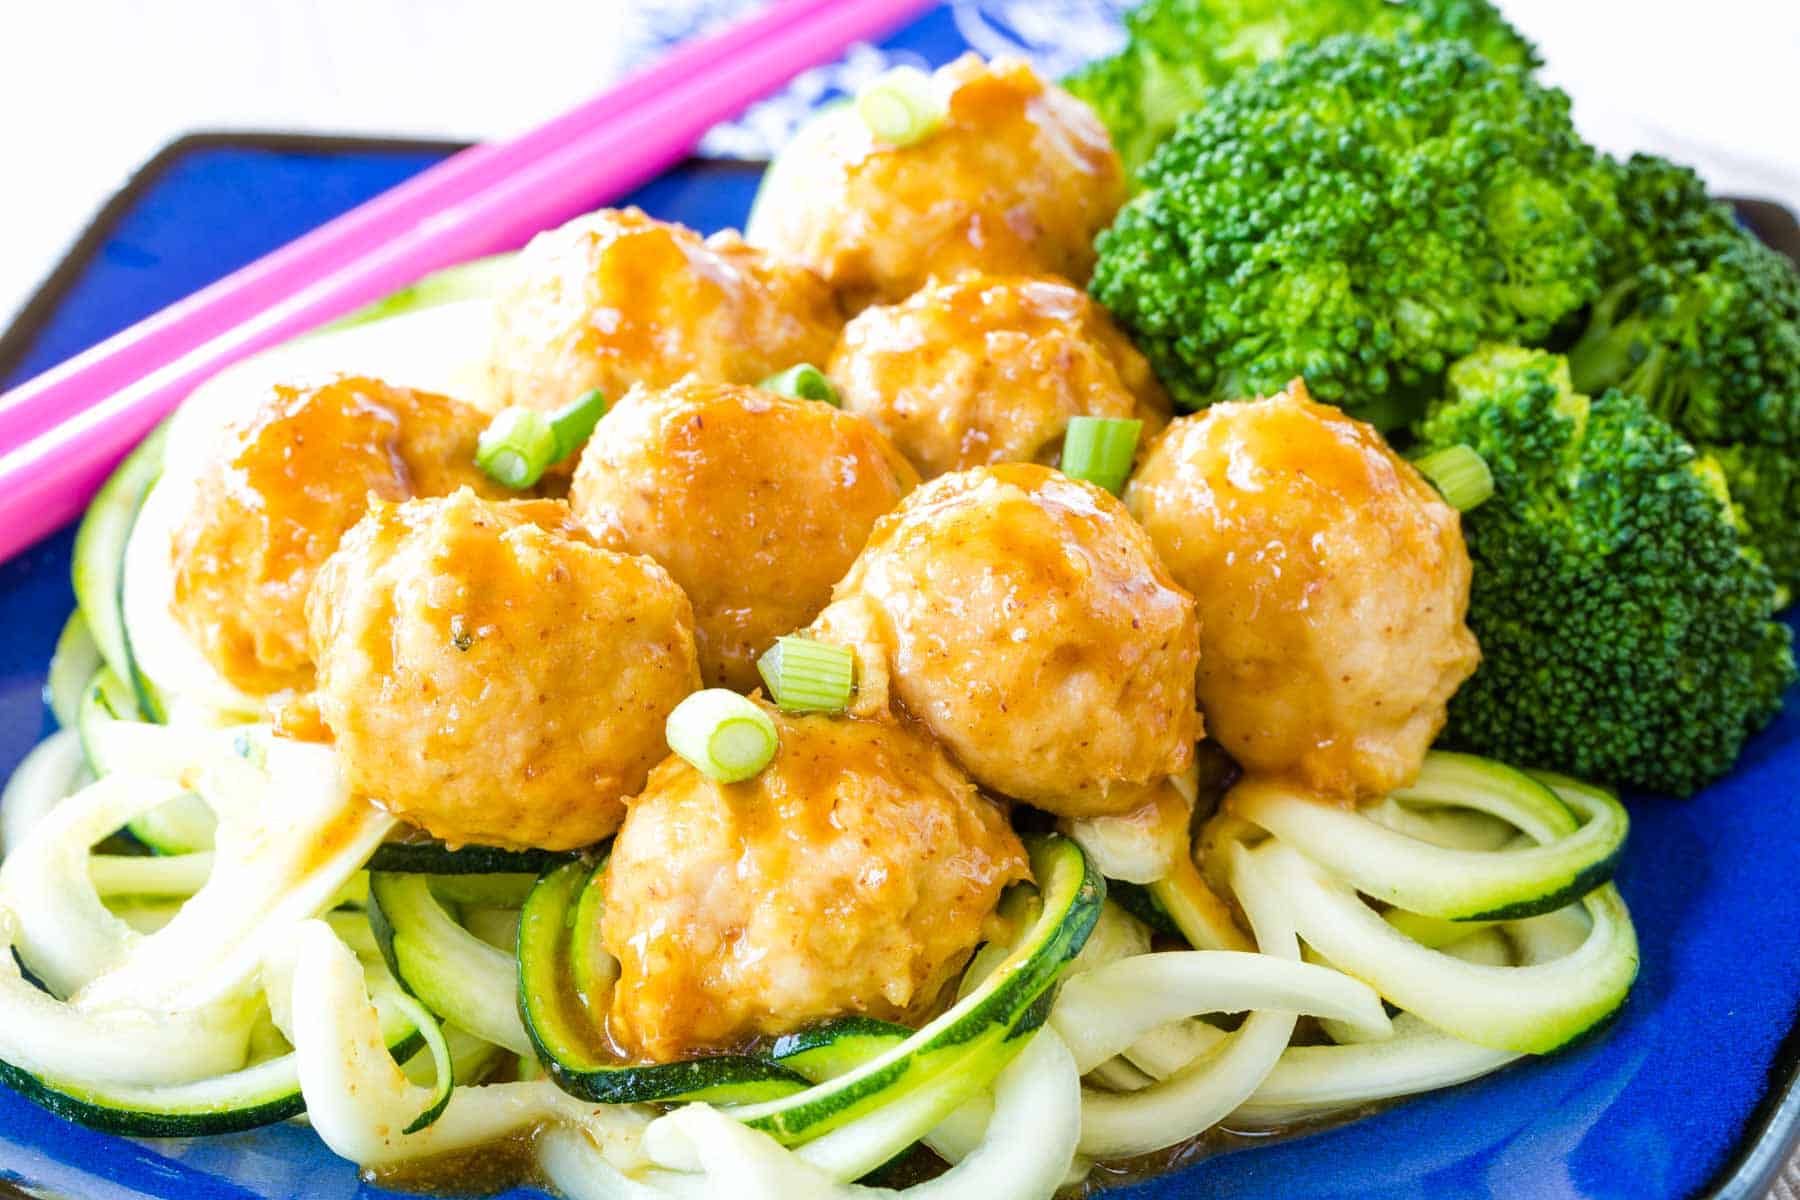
<point>803,382</point>
<point>1100,450</point>
<point>808,676</point>
<point>520,444</point>
<point>723,735</point>
<point>901,106</point>
<point>1460,474</point>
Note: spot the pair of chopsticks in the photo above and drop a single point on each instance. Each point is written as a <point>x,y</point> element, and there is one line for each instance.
<point>62,432</point>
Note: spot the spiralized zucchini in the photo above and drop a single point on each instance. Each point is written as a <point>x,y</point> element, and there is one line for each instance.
<point>235,953</point>
<point>1311,1081</point>
<point>1567,855</point>
<point>362,1104</point>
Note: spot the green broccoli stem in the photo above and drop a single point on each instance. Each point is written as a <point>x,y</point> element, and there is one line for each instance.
<point>1608,349</point>
<point>1460,474</point>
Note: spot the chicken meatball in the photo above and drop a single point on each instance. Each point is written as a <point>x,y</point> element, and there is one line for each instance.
<point>756,504</point>
<point>852,876</point>
<point>271,504</point>
<point>1018,179</point>
<point>1332,582</point>
<point>1024,619</point>
<point>491,675</point>
<point>986,369</point>
<point>615,299</point>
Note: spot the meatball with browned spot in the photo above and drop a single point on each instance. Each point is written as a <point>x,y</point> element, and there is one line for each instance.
<point>491,675</point>
<point>1018,179</point>
<point>286,482</point>
<point>986,369</point>
<point>1023,617</point>
<point>1332,581</point>
<point>756,503</point>
<point>852,876</point>
<point>615,299</point>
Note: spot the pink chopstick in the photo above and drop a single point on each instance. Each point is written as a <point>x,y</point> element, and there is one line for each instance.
<point>66,429</point>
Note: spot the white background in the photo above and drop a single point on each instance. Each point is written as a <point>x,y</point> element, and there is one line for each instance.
<point>91,88</point>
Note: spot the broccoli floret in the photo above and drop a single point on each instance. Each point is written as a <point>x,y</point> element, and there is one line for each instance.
<point>1625,626</point>
<point>1178,50</point>
<point>1703,321</point>
<point>1360,213</point>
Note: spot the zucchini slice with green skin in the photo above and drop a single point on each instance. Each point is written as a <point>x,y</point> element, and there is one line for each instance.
<point>99,559</point>
<point>592,969</point>
<point>457,975</point>
<point>1575,854</point>
<point>1141,903</point>
<point>435,858</point>
<point>916,1109</point>
<point>258,1095</point>
<point>72,665</point>
<point>1531,1009</point>
<point>837,1047</point>
<point>503,890</point>
<point>106,698</point>
<point>443,1070</point>
<point>182,826</point>
<point>1003,1007</point>
<point>1204,920</point>
<point>1481,784</point>
<point>561,1027</point>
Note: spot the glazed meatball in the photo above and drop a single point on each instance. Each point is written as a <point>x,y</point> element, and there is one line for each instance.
<point>852,876</point>
<point>986,369</point>
<point>491,675</point>
<point>1332,582</point>
<point>1024,619</point>
<point>756,504</point>
<point>615,299</point>
<point>272,502</point>
<point>1018,179</point>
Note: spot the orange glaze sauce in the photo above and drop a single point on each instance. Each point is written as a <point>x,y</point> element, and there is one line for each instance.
<point>477,1171</point>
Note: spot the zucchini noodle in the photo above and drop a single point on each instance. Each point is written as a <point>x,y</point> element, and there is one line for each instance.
<point>386,1077</point>
<point>42,780</point>
<point>245,938</point>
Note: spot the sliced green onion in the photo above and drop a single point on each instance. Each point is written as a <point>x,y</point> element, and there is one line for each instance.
<point>808,676</point>
<point>574,421</point>
<point>722,735</point>
<point>901,106</point>
<point>520,444</point>
<point>1100,450</point>
<point>516,447</point>
<point>803,382</point>
<point>1460,474</point>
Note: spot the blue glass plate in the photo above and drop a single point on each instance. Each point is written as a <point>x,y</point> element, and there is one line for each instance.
<point>1690,1093</point>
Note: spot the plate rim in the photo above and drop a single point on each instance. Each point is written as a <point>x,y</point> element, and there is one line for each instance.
<point>1771,1135</point>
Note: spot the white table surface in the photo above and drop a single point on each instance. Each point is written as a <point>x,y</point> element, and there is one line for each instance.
<point>89,89</point>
